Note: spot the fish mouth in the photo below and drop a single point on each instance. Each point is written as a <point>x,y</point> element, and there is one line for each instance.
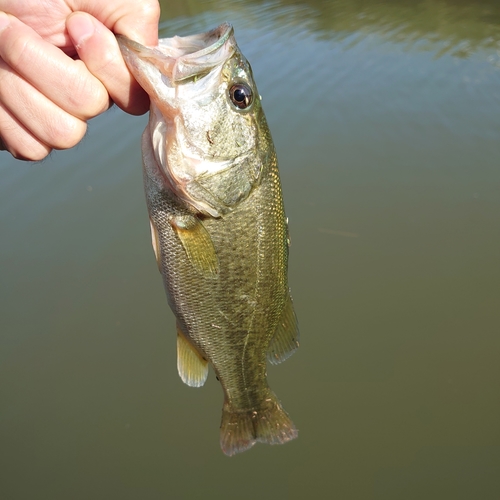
<point>177,59</point>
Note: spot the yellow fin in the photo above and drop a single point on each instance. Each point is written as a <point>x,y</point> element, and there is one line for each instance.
<point>286,338</point>
<point>192,367</point>
<point>197,244</point>
<point>155,241</point>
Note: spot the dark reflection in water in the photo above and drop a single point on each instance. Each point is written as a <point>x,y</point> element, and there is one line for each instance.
<point>458,27</point>
<point>386,119</point>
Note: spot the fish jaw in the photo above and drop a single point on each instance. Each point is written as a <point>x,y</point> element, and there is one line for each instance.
<point>159,69</point>
<point>192,123</point>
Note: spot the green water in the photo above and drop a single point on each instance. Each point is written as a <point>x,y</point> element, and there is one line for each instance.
<point>386,119</point>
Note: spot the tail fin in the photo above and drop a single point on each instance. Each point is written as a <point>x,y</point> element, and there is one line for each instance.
<point>240,430</point>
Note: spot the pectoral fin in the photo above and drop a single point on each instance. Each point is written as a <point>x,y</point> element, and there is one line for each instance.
<point>192,367</point>
<point>286,338</point>
<point>197,244</point>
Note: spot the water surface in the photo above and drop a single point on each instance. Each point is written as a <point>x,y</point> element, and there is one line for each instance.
<point>386,119</point>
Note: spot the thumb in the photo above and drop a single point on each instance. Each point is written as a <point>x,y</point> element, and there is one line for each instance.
<point>98,49</point>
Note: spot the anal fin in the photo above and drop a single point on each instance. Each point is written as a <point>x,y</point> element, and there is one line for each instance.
<point>286,338</point>
<point>197,244</point>
<point>192,367</point>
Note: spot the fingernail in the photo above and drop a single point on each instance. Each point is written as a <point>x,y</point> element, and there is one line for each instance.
<point>4,20</point>
<point>80,28</point>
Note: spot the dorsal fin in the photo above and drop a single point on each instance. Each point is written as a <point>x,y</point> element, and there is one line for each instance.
<point>286,338</point>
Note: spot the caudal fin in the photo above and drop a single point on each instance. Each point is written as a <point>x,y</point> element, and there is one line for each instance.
<point>240,430</point>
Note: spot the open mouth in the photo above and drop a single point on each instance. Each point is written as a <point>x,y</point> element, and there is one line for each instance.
<point>179,58</point>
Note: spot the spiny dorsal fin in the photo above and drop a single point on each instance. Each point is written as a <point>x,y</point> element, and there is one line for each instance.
<point>197,244</point>
<point>192,367</point>
<point>286,338</point>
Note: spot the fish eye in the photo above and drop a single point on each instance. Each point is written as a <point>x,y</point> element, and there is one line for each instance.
<point>241,95</point>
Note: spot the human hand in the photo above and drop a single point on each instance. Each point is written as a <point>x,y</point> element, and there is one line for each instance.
<point>60,66</point>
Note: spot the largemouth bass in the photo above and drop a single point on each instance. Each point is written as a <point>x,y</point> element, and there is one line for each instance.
<point>218,225</point>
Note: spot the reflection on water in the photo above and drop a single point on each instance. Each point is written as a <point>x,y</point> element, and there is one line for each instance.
<point>457,27</point>
<point>386,118</point>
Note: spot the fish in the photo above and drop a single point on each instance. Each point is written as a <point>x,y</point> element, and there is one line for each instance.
<point>218,225</point>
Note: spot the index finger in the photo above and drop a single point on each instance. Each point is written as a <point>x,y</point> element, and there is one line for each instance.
<point>137,20</point>
<point>64,81</point>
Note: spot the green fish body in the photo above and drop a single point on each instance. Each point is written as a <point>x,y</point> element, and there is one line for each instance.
<point>218,225</point>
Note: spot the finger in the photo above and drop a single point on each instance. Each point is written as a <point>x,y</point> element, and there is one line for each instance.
<point>18,141</point>
<point>98,49</point>
<point>140,24</point>
<point>136,20</point>
<point>45,120</point>
<point>64,81</point>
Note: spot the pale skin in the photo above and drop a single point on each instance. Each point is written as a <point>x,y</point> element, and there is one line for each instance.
<point>60,66</point>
